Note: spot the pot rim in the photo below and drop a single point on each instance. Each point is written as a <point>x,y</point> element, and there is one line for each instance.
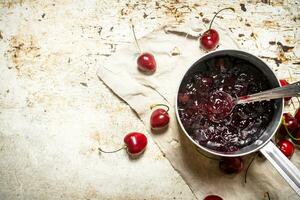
<point>226,154</point>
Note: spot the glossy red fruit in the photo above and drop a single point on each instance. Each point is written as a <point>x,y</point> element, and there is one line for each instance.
<point>231,165</point>
<point>283,83</point>
<point>146,62</point>
<point>135,143</point>
<point>282,131</point>
<point>286,147</point>
<point>290,122</point>
<point>209,39</point>
<point>159,118</point>
<point>297,115</point>
<point>212,197</point>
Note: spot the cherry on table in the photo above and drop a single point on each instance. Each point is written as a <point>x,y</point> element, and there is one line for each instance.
<point>210,38</point>
<point>283,83</point>
<point>160,117</point>
<point>212,197</point>
<point>135,144</point>
<point>231,165</point>
<point>146,61</point>
<point>286,147</point>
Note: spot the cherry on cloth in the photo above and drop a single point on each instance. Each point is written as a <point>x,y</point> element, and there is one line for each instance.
<point>160,117</point>
<point>286,147</point>
<point>231,165</point>
<point>145,61</point>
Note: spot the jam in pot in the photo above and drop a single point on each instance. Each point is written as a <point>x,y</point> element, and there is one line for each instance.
<point>244,124</point>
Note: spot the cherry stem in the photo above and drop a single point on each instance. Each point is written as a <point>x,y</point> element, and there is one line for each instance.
<point>291,136</point>
<point>218,13</point>
<point>268,195</point>
<point>135,39</point>
<point>112,151</point>
<point>160,104</point>
<point>249,167</point>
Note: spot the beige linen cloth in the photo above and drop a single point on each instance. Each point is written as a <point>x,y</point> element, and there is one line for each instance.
<point>202,174</point>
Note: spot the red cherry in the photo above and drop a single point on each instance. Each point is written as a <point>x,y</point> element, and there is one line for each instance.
<point>290,122</point>
<point>160,117</point>
<point>286,147</point>
<point>288,126</point>
<point>146,63</point>
<point>282,131</point>
<point>297,115</point>
<point>212,197</point>
<point>283,83</point>
<point>136,142</point>
<point>231,165</point>
<point>209,39</point>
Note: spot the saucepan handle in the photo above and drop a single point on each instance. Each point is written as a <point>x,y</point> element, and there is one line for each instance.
<point>283,165</point>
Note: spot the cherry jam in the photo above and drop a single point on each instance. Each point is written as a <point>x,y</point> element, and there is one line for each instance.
<point>236,128</point>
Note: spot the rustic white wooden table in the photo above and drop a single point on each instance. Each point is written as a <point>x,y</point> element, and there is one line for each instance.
<point>54,110</point>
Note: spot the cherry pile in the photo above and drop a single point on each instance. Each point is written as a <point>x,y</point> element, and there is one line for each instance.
<point>244,124</point>
<point>289,133</point>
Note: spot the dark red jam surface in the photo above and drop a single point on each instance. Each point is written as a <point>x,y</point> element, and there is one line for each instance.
<point>206,113</point>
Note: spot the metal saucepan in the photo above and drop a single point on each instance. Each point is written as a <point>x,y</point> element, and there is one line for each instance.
<point>263,144</point>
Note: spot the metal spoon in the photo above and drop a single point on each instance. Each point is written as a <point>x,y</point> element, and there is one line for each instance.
<point>222,103</point>
<point>291,90</point>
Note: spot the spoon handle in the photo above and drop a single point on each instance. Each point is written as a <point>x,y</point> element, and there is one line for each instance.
<point>292,90</point>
